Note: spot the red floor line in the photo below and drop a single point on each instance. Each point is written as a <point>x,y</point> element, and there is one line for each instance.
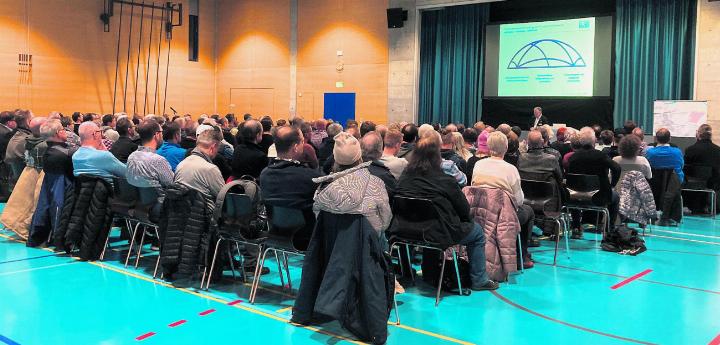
<point>715,341</point>
<point>630,280</point>
<point>177,323</point>
<point>504,299</point>
<point>209,311</point>
<point>235,302</point>
<point>145,336</point>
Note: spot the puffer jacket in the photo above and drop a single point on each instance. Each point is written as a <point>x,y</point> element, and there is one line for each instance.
<point>89,218</point>
<point>184,231</point>
<point>354,191</point>
<point>493,209</point>
<point>636,198</point>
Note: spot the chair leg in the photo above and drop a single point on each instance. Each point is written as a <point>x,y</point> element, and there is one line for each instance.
<point>457,271</point>
<point>107,239</point>
<point>232,265</point>
<point>139,251</point>
<point>157,261</point>
<point>397,312</point>
<point>439,287</point>
<point>256,279</point>
<point>712,204</point>
<point>520,254</point>
<point>409,259</point>
<point>566,232</point>
<point>557,240</point>
<point>212,265</point>
<point>132,241</point>
<point>280,271</point>
<point>399,257</point>
<point>287,270</point>
<point>242,260</point>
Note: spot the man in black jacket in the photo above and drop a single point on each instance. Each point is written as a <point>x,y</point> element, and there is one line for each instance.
<point>410,135</point>
<point>124,146</point>
<point>590,161</point>
<point>703,153</point>
<point>538,119</point>
<point>249,158</point>
<point>328,144</point>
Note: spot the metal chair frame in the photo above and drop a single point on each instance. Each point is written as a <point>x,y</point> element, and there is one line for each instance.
<point>562,226</point>
<point>569,205</point>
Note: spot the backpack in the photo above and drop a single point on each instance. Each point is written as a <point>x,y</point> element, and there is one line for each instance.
<point>249,226</point>
<point>432,264</point>
<point>623,240</point>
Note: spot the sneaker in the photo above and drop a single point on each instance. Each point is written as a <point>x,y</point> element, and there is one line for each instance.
<point>490,285</point>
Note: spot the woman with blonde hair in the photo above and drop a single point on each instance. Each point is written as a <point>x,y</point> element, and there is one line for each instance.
<point>459,146</point>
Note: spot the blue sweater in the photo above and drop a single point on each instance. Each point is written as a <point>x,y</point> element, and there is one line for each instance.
<point>89,161</point>
<point>664,157</point>
<point>173,153</point>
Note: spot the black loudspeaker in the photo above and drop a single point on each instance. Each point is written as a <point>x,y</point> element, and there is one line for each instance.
<point>396,17</point>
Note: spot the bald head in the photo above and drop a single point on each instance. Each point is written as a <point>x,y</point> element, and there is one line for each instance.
<point>288,142</point>
<point>35,125</point>
<point>662,136</point>
<point>638,132</point>
<point>89,133</point>
<point>372,146</point>
<point>535,140</point>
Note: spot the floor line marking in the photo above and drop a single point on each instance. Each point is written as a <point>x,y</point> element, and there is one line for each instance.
<point>280,311</point>
<point>715,341</point>
<point>30,258</point>
<point>235,302</point>
<point>528,310</point>
<point>206,312</point>
<point>36,268</point>
<point>253,310</point>
<point>682,239</point>
<point>145,336</point>
<point>177,323</point>
<point>682,252</point>
<point>686,233</point>
<point>7,340</point>
<point>631,279</point>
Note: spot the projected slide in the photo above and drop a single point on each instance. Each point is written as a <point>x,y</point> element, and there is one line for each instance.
<point>553,58</point>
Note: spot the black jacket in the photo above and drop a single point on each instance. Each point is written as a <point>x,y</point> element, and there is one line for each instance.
<point>248,159</point>
<point>122,148</point>
<point>184,232</point>
<point>86,217</point>
<point>543,121</point>
<point>406,150</point>
<point>288,184</point>
<point>590,161</point>
<point>5,134</point>
<point>705,153</point>
<point>326,150</point>
<point>379,170</point>
<point>267,141</point>
<point>450,203</point>
<point>347,277</point>
<point>58,159</point>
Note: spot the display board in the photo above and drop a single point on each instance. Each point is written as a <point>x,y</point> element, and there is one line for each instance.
<point>682,118</point>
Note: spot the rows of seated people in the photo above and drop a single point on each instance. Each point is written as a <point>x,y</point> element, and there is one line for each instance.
<point>320,166</point>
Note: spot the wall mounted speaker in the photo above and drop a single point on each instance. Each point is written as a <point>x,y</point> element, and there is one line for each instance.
<point>396,17</point>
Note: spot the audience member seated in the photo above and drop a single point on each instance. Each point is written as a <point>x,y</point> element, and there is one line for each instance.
<point>703,153</point>
<point>92,159</point>
<point>171,149</point>
<point>629,159</point>
<point>513,152</point>
<point>470,136</point>
<point>249,158</point>
<point>286,182</point>
<point>327,146</point>
<point>562,142</point>
<point>393,141</point>
<point>225,151</point>
<point>198,171</point>
<point>7,130</point>
<point>424,178</point>
<point>494,172</point>
<point>318,133</point>
<point>367,127</point>
<point>574,146</point>
<point>267,138</point>
<point>447,151</point>
<point>546,133</point>
<point>353,188</point>
<point>589,161</point>
<point>638,132</point>
<point>410,136</point>
<point>482,152</point>
<point>664,156</point>
<point>372,149</point>
<point>124,146</point>
<point>146,168</point>
<point>605,140</point>
<point>459,146</point>
<point>308,156</point>
<point>15,152</point>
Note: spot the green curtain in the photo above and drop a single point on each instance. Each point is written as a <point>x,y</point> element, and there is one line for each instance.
<point>451,64</point>
<point>654,48</point>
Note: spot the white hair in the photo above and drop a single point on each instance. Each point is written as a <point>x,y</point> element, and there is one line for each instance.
<point>497,142</point>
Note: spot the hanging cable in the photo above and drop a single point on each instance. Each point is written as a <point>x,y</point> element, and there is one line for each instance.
<point>117,56</point>
<point>137,64</point>
<point>167,70</point>
<point>127,65</point>
<point>147,69</point>
<point>157,71</point>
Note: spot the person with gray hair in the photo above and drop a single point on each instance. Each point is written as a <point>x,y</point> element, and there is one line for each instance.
<point>327,145</point>
<point>495,172</point>
<point>198,172</point>
<point>57,159</point>
<point>703,153</point>
<point>588,161</point>
<point>372,149</point>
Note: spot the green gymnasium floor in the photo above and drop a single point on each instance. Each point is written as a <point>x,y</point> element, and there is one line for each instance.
<point>51,298</point>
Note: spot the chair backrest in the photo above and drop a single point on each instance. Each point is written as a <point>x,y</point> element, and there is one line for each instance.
<point>537,190</point>
<point>284,223</point>
<point>582,183</point>
<point>415,210</point>
<point>237,205</point>
<point>125,192</point>
<point>659,182</point>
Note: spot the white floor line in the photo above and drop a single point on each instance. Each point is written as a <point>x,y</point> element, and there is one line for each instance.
<point>682,239</point>
<point>35,269</point>
<point>685,233</point>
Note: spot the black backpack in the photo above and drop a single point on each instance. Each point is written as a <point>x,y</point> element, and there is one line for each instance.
<point>431,265</point>
<point>623,240</point>
<point>249,226</point>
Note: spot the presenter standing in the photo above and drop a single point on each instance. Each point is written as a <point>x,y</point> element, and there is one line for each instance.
<point>538,119</point>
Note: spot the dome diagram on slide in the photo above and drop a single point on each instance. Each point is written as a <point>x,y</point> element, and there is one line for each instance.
<point>546,53</point>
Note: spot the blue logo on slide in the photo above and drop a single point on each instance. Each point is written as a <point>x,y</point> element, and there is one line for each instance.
<point>546,53</point>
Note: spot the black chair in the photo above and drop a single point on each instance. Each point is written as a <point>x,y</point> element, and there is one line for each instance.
<point>581,190</point>
<point>539,195</point>
<point>697,179</point>
<point>144,216</point>
<point>234,207</point>
<point>124,200</point>
<point>423,215</point>
<point>667,199</point>
<point>286,226</point>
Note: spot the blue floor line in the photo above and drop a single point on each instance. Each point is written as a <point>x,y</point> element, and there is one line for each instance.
<point>30,258</point>
<point>8,341</point>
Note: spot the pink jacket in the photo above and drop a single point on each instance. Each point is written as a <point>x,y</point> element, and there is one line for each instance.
<point>493,209</point>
